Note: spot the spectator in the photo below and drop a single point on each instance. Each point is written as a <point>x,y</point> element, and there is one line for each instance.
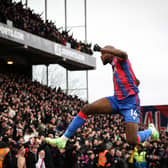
<point>92,161</point>
<point>41,163</point>
<point>21,161</point>
<point>3,125</point>
<point>105,158</point>
<point>140,157</point>
<point>3,152</point>
<point>32,157</point>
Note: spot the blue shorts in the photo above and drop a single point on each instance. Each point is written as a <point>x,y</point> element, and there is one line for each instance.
<point>129,108</point>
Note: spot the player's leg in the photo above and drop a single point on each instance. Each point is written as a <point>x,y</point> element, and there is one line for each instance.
<point>133,136</point>
<point>101,106</point>
<point>131,133</point>
<point>131,116</point>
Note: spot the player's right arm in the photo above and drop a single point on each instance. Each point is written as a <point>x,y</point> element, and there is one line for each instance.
<point>115,52</point>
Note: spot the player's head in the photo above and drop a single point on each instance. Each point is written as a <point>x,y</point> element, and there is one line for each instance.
<point>107,57</point>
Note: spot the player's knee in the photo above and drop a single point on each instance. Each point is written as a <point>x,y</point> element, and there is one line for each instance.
<point>131,140</point>
<point>86,109</point>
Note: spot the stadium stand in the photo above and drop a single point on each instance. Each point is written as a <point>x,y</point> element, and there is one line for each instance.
<point>30,111</point>
<point>25,19</point>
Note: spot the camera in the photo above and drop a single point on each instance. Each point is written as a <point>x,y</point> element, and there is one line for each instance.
<point>96,48</point>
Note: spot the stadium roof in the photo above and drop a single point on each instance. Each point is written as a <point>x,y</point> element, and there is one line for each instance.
<point>26,48</point>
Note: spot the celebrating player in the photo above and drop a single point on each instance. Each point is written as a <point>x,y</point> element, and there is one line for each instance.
<point>124,102</point>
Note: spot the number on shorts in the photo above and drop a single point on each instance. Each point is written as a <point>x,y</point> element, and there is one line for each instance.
<point>134,114</point>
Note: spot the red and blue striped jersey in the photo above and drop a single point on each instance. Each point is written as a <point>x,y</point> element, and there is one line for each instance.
<point>124,79</point>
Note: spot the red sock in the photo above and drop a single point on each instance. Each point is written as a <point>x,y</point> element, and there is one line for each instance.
<point>138,139</point>
<point>82,115</point>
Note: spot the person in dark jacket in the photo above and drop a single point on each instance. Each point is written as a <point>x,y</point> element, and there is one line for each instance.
<point>32,157</point>
<point>92,161</point>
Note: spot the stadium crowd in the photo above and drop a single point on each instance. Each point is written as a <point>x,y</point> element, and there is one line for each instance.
<point>30,111</point>
<point>26,19</point>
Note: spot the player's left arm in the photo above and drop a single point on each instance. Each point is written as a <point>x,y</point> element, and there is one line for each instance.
<point>136,79</point>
